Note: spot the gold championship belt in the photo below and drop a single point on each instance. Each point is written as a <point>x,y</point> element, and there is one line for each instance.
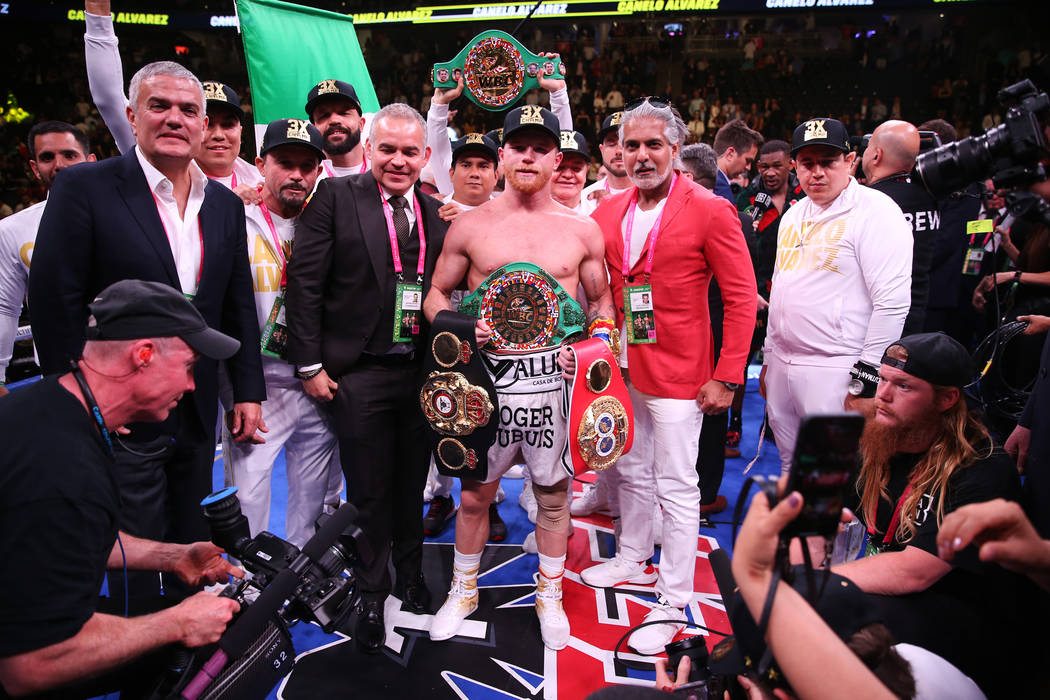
<point>496,70</point>
<point>601,418</point>
<point>526,309</point>
<point>458,399</point>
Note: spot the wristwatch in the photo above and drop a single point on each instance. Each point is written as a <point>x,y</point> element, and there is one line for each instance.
<point>308,374</point>
<point>865,380</point>
<point>730,385</point>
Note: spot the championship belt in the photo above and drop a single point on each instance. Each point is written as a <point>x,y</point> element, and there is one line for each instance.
<point>601,418</point>
<point>526,309</point>
<point>496,70</point>
<point>458,399</point>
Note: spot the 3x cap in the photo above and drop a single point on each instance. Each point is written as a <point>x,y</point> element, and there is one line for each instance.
<point>934,357</point>
<point>327,89</point>
<point>478,143</point>
<point>134,309</point>
<point>823,131</point>
<point>573,142</point>
<point>218,94</point>
<point>300,132</point>
<point>610,123</point>
<point>531,117</point>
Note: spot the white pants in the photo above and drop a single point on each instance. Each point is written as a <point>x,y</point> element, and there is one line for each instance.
<point>794,390</point>
<point>301,425</point>
<point>662,461</point>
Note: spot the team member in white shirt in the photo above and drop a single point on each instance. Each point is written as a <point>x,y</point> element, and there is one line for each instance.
<point>290,163</point>
<point>52,146</point>
<point>841,288</point>
<point>612,158</point>
<point>334,109</point>
<point>571,174</point>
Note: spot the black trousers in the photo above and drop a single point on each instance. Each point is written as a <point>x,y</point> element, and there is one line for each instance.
<point>711,456</point>
<point>384,451</point>
<point>163,471</point>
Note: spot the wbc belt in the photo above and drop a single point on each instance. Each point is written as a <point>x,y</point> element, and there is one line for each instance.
<point>526,309</point>
<point>458,398</point>
<point>601,418</point>
<point>496,70</point>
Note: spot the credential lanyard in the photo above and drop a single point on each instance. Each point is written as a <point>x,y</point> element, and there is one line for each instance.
<point>276,244</point>
<point>200,234</point>
<point>653,234</point>
<point>89,399</point>
<point>233,179</point>
<point>388,212</point>
<point>894,521</point>
<point>331,173</point>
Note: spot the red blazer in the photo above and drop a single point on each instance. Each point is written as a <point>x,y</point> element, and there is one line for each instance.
<point>700,235</point>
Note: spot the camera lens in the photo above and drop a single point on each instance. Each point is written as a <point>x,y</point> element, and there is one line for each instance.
<point>229,527</point>
<point>693,647</point>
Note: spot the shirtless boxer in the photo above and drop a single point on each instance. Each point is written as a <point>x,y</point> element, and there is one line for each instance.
<point>522,236</point>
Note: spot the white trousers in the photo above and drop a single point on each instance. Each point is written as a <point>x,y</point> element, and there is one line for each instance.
<point>794,390</point>
<point>662,463</point>
<point>302,426</point>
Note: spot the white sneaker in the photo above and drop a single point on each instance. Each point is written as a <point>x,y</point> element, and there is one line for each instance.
<point>588,502</point>
<point>527,500</point>
<point>515,472</point>
<point>618,571</point>
<point>462,600</point>
<point>554,624</point>
<point>651,640</point>
<point>658,524</point>
<point>529,545</point>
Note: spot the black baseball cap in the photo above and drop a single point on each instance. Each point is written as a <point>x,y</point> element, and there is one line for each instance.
<point>218,94</point>
<point>300,132</point>
<point>573,142</point>
<point>934,357</point>
<point>531,117</point>
<point>134,309</point>
<point>496,135</point>
<point>479,143</point>
<point>610,123</point>
<point>823,131</point>
<point>327,89</point>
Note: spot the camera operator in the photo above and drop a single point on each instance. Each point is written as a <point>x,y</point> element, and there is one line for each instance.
<point>924,455</point>
<point>888,162</point>
<point>59,503</point>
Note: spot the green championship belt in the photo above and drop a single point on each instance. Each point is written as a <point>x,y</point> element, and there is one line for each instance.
<point>496,70</point>
<point>525,307</point>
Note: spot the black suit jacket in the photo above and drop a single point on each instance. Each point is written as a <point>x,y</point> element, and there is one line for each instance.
<point>100,226</point>
<point>339,276</point>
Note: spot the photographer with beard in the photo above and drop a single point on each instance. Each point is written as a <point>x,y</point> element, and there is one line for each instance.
<point>925,455</point>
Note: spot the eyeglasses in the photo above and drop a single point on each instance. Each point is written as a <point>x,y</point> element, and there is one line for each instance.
<point>654,100</point>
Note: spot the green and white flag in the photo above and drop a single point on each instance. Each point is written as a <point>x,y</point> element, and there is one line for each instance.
<point>289,49</point>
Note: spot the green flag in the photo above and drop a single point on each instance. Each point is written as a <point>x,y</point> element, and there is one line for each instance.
<point>289,49</point>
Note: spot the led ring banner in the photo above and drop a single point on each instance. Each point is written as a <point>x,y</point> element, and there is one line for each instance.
<point>496,70</point>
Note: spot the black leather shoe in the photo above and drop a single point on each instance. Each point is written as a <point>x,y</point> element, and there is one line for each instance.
<point>497,528</point>
<point>414,595</point>
<point>442,509</point>
<point>370,628</point>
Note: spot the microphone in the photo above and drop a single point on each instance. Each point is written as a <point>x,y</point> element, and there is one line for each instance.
<point>723,571</point>
<point>763,203</point>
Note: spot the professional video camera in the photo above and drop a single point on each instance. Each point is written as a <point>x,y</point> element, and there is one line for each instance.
<point>1009,154</point>
<point>286,585</point>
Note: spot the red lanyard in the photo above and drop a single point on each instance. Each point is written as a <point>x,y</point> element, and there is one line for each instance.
<point>331,173</point>
<point>233,179</point>
<point>276,244</point>
<point>894,521</point>
<point>653,234</point>
<point>200,234</point>
<point>388,211</point>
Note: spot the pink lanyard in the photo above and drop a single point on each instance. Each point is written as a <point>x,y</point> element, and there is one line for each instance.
<point>276,244</point>
<point>894,521</point>
<point>364,166</point>
<point>200,234</point>
<point>653,234</point>
<point>233,179</point>
<point>388,211</point>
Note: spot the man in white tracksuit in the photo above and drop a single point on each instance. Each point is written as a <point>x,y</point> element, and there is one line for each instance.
<point>841,288</point>
<point>290,162</point>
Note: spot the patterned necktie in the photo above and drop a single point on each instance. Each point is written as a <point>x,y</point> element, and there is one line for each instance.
<point>398,203</point>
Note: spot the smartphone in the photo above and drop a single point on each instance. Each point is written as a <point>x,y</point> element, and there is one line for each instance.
<point>823,469</point>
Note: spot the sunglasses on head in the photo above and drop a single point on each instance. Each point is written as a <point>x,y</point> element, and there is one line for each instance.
<point>655,101</point>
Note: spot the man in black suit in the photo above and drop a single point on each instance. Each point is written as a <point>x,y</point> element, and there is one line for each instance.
<point>152,214</point>
<point>357,243</point>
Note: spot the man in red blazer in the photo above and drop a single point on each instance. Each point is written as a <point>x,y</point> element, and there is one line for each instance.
<point>677,236</point>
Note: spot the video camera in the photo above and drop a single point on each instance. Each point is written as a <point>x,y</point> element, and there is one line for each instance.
<point>1009,154</point>
<point>286,585</point>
